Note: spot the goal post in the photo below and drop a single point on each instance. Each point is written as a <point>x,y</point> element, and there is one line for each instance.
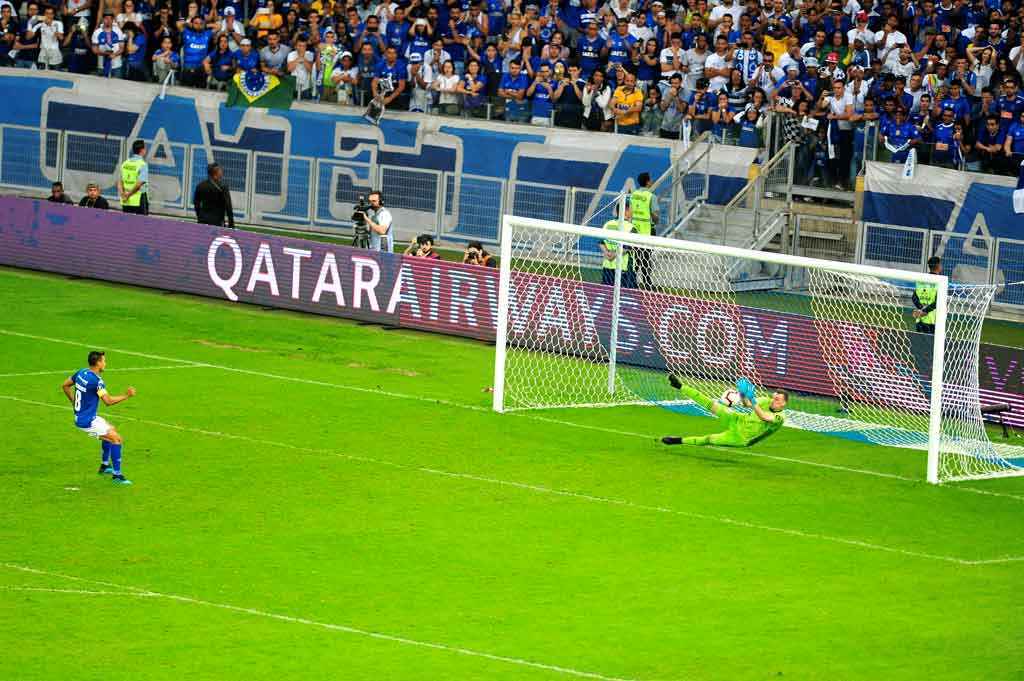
<point>572,332</point>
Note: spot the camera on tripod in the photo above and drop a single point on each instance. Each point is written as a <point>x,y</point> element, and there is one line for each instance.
<point>362,230</point>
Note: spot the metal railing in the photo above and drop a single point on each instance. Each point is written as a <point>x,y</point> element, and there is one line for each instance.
<point>774,178</point>
<point>684,187</point>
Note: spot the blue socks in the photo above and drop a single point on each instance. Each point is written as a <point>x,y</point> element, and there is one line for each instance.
<point>115,455</point>
<point>106,452</point>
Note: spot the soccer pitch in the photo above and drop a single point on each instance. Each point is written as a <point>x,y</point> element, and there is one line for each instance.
<point>318,499</point>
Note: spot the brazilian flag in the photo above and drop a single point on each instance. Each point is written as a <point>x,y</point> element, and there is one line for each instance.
<point>255,88</point>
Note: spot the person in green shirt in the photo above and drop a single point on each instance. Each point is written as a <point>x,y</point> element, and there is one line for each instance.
<point>610,251</point>
<point>645,216</point>
<point>743,429</point>
<point>924,299</point>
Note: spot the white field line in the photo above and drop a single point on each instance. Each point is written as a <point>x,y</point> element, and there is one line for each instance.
<point>518,414</point>
<point>84,592</point>
<point>541,489</point>
<point>131,590</point>
<point>68,372</point>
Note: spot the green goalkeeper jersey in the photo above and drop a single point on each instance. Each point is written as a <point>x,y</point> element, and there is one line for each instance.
<point>751,428</point>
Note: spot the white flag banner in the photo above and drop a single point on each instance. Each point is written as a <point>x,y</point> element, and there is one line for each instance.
<point>1018,201</point>
<point>910,165</point>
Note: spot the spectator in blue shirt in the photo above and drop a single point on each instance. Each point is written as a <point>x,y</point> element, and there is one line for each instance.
<point>621,48</point>
<point>946,141</point>
<point>455,35</point>
<point>419,41</point>
<point>1013,145</point>
<point>195,46</point>
<point>220,63</point>
<point>390,81</point>
<point>590,50</point>
<point>540,92</point>
<point>957,103</point>
<point>135,53</point>
<point>246,58</point>
<point>513,89</point>
<point>396,34</point>
<point>165,60</point>
<point>1009,105</point>
<point>989,146</point>
<point>901,136</point>
<point>371,35</point>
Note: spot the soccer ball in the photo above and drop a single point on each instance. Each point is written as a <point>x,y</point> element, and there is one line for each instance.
<point>731,398</point>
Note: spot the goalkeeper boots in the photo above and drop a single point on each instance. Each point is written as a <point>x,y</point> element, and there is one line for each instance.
<point>120,480</point>
<point>669,440</point>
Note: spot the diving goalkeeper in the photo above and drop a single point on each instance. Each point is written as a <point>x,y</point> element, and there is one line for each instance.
<point>742,429</point>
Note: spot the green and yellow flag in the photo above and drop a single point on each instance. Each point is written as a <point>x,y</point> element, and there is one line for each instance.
<point>255,88</point>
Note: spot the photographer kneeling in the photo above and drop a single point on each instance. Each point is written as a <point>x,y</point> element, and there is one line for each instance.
<point>476,255</point>
<point>372,223</point>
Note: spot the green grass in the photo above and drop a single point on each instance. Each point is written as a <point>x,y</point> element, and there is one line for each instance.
<point>355,478</point>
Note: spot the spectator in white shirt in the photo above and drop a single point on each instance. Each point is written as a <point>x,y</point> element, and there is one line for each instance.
<point>723,8</point>
<point>889,40</point>
<point>673,58</point>
<point>50,32</point>
<point>718,67</point>
<point>128,15</point>
<point>300,66</point>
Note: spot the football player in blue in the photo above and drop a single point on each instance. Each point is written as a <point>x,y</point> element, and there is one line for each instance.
<point>85,389</point>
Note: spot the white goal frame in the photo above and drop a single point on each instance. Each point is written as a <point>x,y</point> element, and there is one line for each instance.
<point>940,282</point>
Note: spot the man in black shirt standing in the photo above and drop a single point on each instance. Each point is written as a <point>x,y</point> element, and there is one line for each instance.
<point>212,199</point>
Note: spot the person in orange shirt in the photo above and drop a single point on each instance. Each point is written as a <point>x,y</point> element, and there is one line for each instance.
<point>627,103</point>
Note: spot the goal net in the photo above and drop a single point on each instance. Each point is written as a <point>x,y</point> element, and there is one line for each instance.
<point>594,317</point>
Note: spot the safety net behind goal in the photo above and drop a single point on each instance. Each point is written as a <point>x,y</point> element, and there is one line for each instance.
<point>592,319</point>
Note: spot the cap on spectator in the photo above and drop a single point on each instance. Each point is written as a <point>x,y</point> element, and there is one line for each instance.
<point>793,67</point>
<point>414,57</point>
<point>245,41</point>
<point>855,67</point>
<point>108,13</point>
<point>534,6</point>
<point>229,11</point>
<point>862,16</point>
<point>832,57</point>
<point>658,3</point>
<point>660,14</point>
<point>811,63</point>
<point>329,30</point>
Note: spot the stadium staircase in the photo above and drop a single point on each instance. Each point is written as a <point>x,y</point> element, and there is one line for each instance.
<point>767,214</point>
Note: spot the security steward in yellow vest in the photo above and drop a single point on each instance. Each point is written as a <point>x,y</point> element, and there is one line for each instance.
<point>133,185</point>
<point>610,251</point>
<point>924,299</point>
<point>645,217</point>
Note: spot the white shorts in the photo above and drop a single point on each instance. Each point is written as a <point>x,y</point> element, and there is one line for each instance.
<point>98,428</point>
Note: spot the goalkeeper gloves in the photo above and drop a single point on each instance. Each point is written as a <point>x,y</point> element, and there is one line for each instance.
<point>746,388</point>
<point>674,381</point>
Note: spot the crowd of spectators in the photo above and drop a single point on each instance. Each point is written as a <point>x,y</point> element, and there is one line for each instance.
<point>942,77</point>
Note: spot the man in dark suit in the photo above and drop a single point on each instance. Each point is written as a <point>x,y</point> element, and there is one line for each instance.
<point>212,199</point>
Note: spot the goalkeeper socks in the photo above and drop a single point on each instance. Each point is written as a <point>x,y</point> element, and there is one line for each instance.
<point>106,452</point>
<point>115,455</point>
<point>694,395</point>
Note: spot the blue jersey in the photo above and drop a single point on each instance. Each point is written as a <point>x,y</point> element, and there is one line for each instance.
<point>89,387</point>
<point>590,54</point>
